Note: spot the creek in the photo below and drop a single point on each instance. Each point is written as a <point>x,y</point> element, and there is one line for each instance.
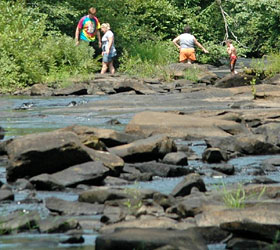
<point>24,115</point>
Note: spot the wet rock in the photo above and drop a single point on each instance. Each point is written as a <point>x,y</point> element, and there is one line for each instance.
<point>114,181</point>
<point>214,155</point>
<point>74,239</point>
<point>161,169</point>
<point>271,164</point>
<point>185,186</point>
<point>63,207</point>
<point>176,158</point>
<point>135,238</point>
<point>238,243</point>
<point>89,173</point>
<point>246,144</point>
<point>6,195</point>
<point>224,168</point>
<point>252,229</point>
<point>48,152</point>
<point>19,221</point>
<point>23,184</point>
<point>102,194</point>
<point>113,214</point>
<point>189,206</point>
<point>46,182</point>
<point>137,177</point>
<point>151,148</point>
<point>110,160</point>
<point>58,225</point>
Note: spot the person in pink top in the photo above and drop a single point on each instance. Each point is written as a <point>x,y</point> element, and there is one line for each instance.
<point>88,29</point>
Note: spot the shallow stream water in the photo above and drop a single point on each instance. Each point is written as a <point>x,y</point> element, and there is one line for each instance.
<point>25,115</point>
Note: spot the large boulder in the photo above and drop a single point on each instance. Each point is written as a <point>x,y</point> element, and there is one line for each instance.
<point>246,144</point>
<point>180,126</point>
<point>149,239</point>
<point>48,152</point>
<point>151,148</point>
<point>92,136</point>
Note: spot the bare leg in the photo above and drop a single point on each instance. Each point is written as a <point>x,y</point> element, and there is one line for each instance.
<point>104,68</point>
<point>111,67</point>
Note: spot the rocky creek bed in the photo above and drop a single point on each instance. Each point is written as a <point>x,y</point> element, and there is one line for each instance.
<point>176,165</point>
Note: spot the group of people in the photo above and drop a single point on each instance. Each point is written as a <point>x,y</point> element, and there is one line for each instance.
<point>89,28</point>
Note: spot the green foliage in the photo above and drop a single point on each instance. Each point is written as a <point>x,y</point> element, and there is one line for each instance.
<point>29,56</point>
<point>148,59</point>
<point>134,202</point>
<point>236,198</point>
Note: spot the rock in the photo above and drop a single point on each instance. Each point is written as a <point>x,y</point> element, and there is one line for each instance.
<point>151,148</point>
<point>180,126</point>
<point>89,173</point>
<point>2,133</point>
<point>246,144</point>
<point>135,238</point>
<point>185,186</point>
<point>109,137</point>
<point>48,152</point>
<point>252,229</point>
<point>41,90</point>
<point>75,89</point>
<point>176,158</point>
<point>6,195</point>
<point>161,169</point>
<point>103,194</point>
<point>235,80</point>
<point>224,168</point>
<point>275,80</point>
<point>239,243</point>
<point>63,207</point>
<point>58,225</point>
<point>271,131</point>
<point>19,221</point>
<point>214,155</point>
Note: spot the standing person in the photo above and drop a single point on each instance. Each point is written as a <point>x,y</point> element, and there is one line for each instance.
<point>232,56</point>
<point>87,30</point>
<point>108,49</point>
<point>186,44</point>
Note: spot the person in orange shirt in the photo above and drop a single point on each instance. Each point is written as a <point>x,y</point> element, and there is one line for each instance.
<point>186,42</point>
<point>232,56</point>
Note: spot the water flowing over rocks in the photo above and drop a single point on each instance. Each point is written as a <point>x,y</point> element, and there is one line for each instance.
<point>100,166</point>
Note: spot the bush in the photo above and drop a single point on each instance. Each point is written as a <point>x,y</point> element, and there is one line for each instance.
<point>30,56</point>
<point>148,59</point>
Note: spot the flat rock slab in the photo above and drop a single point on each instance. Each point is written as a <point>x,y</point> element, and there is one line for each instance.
<point>176,125</point>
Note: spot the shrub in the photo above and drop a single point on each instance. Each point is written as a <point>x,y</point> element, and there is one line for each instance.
<point>30,56</point>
